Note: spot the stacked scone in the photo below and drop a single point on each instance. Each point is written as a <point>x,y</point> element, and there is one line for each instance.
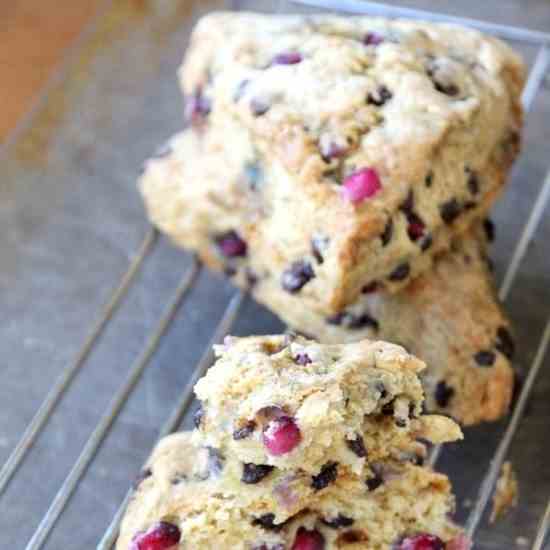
<point>300,446</point>
<point>341,168</point>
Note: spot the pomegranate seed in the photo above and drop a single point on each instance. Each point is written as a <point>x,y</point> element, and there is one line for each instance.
<point>161,536</point>
<point>308,540</point>
<point>287,58</point>
<point>372,39</point>
<point>422,542</point>
<point>415,230</point>
<point>281,435</point>
<point>361,185</point>
<point>231,245</point>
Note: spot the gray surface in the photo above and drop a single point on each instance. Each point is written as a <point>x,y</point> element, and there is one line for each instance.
<point>70,220</point>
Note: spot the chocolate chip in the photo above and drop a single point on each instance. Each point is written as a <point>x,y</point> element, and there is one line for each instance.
<point>470,205</point>
<point>198,416</point>
<point>485,358</point>
<point>267,521</point>
<point>362,321</point>
<point>428,180</point>
<point>357,446</point>
<point>489,228</point>
<point>370,288</point>
<point>318,246</point>
<point>295,277</point>
<point>245,431</point>
<point>374,482</point>
<point>449,89</point>
<point>302,359</point>
<point>505,342</point>
<point>387,233</point>
<point>426,243</point>
<point>379,97</point>
<point>387,409</point>
<point>353,322</point>
<point>449,211</point>
<point>400,273</point>
<point>473,182</point>
<point>259,107</point>
<point>408,204</point>
<point>443,393</point>
<point>325,477</point>
<point>400,422</point>
<point>254,473</point>
<point>142,476</point>
<point>338,522</point>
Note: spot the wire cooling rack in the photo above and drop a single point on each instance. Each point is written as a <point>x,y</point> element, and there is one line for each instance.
<point>21,160</point>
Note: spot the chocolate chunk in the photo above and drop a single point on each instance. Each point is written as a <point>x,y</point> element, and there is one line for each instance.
<point>357,446</point>
<point>267,521</point>
<point>387,233</point>
<point>254,473</point>
<point>400,273</point>
<point>325,477</point>
<point>379,97</point>
<point>318,247</point>
<point>473,183</point>
<point>443,393</point>
<point>428,180</point>
<point>338,522</point>
<point>296,276</point>
<point>374,482</point>
<point>485,358</point>
<point>450,210</point>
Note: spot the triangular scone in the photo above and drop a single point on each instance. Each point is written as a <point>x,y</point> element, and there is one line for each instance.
<point>377,140</point>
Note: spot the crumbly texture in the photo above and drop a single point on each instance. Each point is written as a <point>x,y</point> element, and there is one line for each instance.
<point>446,316</point>
<point>301,103</point>
<point>184,489</point>
<point>506,492</point>
<point>450,317</point>
<point>352,404</point>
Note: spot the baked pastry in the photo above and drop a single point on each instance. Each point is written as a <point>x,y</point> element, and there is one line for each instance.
<point>448,316</point>
<point>300,446</point>
<point>184,502</point>
<point>364,145</point>
<point>288,403</point>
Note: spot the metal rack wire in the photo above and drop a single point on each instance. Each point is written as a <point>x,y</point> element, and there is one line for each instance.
<point>96,438</point>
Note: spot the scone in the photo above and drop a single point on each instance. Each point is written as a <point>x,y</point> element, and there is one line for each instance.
<point>183,502</point>
<point>450,317</point>
<point>365,144</point>
<point>292,404</point>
